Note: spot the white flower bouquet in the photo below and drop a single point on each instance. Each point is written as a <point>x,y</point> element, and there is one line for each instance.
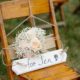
<point>29,42</point>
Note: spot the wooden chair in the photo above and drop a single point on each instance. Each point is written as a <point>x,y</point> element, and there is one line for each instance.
<point>11,9</point>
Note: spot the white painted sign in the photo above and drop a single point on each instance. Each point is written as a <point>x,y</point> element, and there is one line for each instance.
<point>44,60</point>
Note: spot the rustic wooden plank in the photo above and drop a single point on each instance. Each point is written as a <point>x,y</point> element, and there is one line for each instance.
<point>41,72</point>
<point>60,71</point>
<point>19,8</point>
<point>48,72</point>
<point>67,77</point>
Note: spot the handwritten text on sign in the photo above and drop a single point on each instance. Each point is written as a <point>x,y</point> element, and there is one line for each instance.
<point>44,60</point>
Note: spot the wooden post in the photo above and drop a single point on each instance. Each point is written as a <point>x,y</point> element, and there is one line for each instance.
<point>55,27</point>
<point>5,47</point>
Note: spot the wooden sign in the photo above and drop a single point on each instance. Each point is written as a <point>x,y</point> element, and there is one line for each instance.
<point>44,60</point>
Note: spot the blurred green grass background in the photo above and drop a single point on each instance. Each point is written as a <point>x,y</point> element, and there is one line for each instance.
<point>70,36</point>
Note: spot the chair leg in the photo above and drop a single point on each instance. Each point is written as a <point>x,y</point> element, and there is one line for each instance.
<point>62,14</point>
<point>10,73</point>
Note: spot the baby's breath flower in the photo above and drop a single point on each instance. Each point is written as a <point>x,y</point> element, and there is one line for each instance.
<point>22,44</point>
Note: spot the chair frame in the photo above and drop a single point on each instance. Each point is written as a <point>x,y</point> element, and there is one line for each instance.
<point>6,13</point>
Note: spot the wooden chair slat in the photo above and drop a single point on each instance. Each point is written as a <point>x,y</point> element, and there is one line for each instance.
<point>60,71</point>
<point>42,71</point>
<point>49,42</point>
<point>70,77</point>
<point>45,26</point>
<point>22,9</point>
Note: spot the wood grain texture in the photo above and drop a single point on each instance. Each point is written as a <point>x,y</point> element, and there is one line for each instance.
<point>7,58</point>
<point>15,9</point>
<point>57,72</point>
